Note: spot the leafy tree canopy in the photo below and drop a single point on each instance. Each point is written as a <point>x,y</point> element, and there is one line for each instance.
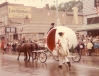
<point>67,6</point>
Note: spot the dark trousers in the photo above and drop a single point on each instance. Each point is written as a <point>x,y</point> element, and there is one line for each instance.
<point>14,49</point>
<point>90,52</point>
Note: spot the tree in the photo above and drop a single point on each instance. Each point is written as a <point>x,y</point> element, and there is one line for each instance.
<point>69,5</point>
<point>79,4</point>
<point>61,7</point>
<point>53,7</point>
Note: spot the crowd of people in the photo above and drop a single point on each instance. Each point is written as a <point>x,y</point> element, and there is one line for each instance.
<point>88,45</point>
<point>7,46</point>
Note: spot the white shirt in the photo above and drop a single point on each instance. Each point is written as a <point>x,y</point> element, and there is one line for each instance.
<point>89,45</point>
<point>64,43</point>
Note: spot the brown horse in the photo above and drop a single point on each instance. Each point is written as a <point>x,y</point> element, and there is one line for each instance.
<point>22,48</point>
<point>31,47</point>
<point>27,48</point>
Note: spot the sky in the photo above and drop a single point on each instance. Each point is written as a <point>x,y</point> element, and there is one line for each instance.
<point>35,3</point>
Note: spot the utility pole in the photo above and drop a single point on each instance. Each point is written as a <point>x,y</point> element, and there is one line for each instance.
<point>75,12</point>
<point>57,16</point>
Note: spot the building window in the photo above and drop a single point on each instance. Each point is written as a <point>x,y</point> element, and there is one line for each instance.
<point>10,37</point>
<point>93,20</point>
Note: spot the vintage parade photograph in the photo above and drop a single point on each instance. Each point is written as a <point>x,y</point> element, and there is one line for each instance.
<point>49,37</point>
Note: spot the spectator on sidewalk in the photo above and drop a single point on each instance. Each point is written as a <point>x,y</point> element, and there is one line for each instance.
<point>14,47</point>
<point>89,47</point>
<point>2,45</point>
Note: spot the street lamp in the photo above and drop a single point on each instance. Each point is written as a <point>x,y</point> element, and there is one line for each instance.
<point>57,16</point>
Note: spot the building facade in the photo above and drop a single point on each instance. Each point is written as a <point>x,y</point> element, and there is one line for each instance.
<point>90,12</point>
<point>91,17</point>
<point>17,20</point>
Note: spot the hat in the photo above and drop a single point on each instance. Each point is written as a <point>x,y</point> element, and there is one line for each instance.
<point>60,33</point>
<point>52,24</point>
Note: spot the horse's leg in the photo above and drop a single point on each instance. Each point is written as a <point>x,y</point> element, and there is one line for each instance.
<point>35,53</point>
<point>19,55</point>
<point>29,55</point>
<point>36,56</point>
<point>25,54</point>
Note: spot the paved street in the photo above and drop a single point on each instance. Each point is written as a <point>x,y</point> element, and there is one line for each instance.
<point>9,66</point>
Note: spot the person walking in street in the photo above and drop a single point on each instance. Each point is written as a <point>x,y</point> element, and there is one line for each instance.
<point>78,48</point>
<point>81,46</point>
<point>63,50</point>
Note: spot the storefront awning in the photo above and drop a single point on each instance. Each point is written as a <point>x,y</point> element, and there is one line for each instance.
<point>88,28</point>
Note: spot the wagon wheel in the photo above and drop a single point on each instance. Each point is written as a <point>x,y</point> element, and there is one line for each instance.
<point>76,57</point>
<point>56,58</point>
<point>42,57</point>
